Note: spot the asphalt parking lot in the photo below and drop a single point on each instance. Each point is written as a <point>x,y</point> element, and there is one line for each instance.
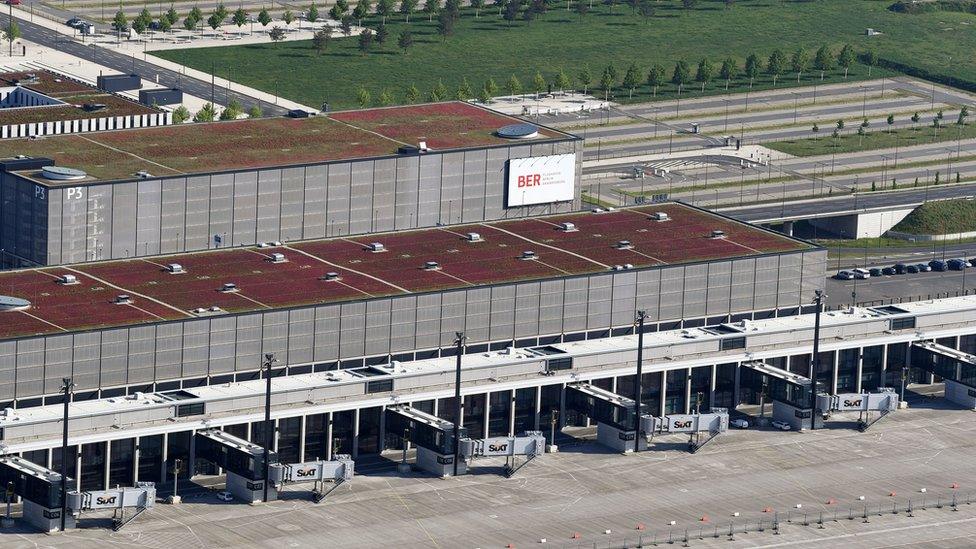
<point>586,491</point>
<point>907,286</point>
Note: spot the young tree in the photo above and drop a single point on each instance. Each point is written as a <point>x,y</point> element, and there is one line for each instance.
<point>799,62</point>
<point>728,71</point>
<point>484,96</point>
<point>255,112</point>
<point>656,77</point>
<point>171,16</point>
<point>165,25</point>
<point>345,24</point>
<point>145,17</point>
<point>287,17</point>
<point>528,15</point>
<point>239,18</point>
<point>632,79</point>
<point>705,73</point>
<point>384,8</point>
<point>119,22</point>
<point>432,8</point>
<point>206,114</point>
<point>221,12</point>
<point>363,97</point>
<point>232,111</point>
<point>645,9</point>
<point>681,75</point>
<point>181,114</point>
<point>264,17</point>
<point>412,94</point>
<point>840,124</point>
<point>464,90</point>
<point>815,130</point>
<point>823,61</point>
<point>139,26</point>
<point>360,12</point>
<point>890,121</point>
<point>336,13</point>
<point>276,34</point>
<point>491,87</point>
<point>607,82</point>
<point>196,14</point>
<point>581,9</point>
<point>514,86</point>
<point>189,24</point>
<point>915,119</point>
<point>438,93</point>
<point>846,58</point>
<point>382,34</point>
<point>584,77</point>
<point>321,39</point>
<point>511,11</point>
<point>312,14</point>
<point>386,96</point>
<point>407,7</point>
<point>871,59</point>
<point>453,8</point>
<point>612,71</point>
<point>776,65</point>
<point>478,5</point>
<point>561,81</point>
<point>405,40</point>
<point>445,25</point>
<point>214,21</point>
<point>688,4</point>
<point>752,68</point>
<point>365,41</point>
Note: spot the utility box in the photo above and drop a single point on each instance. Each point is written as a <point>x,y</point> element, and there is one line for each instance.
<point>161,96</point>
<point>119,82</point>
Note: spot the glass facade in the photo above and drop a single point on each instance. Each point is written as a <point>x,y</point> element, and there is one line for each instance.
<point>316,437</point>
<point>93,466</point>
<point>800,365</point>
<point>701,385</point>
<point>474,415</point>
<point>725,386</point>
<point>445,408</point>
<point>825,372</point>
<point>897,359</point>
<point>872,368</point>
<point>499,413</point>
<point>525,412</point>
<point>178,448</point>
<point>121,467</point>
<point>550,398</point>
<point>72,462</point>
<point>151,458</point>
<point>675,392</point>
<point>847,371</point>
<point>289,439</point>
<point>342,431</point>
<point>651,392</point>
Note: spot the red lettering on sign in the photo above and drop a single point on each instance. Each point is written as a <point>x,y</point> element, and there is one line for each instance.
<point>530,180</point>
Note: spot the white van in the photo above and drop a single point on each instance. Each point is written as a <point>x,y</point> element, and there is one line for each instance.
<point>861,273</point>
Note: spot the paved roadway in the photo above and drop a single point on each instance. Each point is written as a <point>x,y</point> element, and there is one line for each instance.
<point>127,64</point>
<point>587,490</point>
<point>906,287</point>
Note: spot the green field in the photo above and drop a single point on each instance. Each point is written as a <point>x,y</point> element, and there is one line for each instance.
<point>874,138</point>
<point>488,46</point>
<point>940,217</point>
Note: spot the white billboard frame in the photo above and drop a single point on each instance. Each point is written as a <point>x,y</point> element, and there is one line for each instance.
<point>540,180</point>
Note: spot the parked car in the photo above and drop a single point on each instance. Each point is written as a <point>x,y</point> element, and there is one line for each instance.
<point>911,269</point>
<point>781,425</point>
<point>13,2</point>
<point>923,267</point>
<point>875,271</point>
<point>739,423</point>
<point>888,270</point>
<point>972,262</point>
<point>861,273</point>
<point>225,496</point>
<point>957,264</point>
<point>938,265</point>
<point>74,22</point>
<point>298,113</point>
<point>844,275</point>
<point>901,268</point>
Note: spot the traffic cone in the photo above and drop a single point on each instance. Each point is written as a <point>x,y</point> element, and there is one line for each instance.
<point>640,525</point>
<point>576,535</point>
<point>831,501</point>
<point>891,494</point>
<point>954,486</point>
<point>704,518</point>
<point>767,509</point>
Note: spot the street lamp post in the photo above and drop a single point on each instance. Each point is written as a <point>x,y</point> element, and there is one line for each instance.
<point>459,342</point>
<point>638,389</point>
<point>816,355</point>
<point>904,378</point>
<point>269,360</point>
<point>66,386</point>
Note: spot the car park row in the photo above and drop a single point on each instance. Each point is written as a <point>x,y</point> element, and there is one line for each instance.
<point>955,264</point>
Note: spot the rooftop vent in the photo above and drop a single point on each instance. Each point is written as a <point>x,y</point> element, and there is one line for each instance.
<point>8,303</point>
<point>474,237</point>
<point>263,245</point>
<point>660,216</point>
<point>61,173</point>
<point>432,266</point>
<point>624,245</point>
<point>215,309</point>
<point>422,147</point>
<point>528,255</point>
<point>376,247</point>
<point>617,268</point>
<point>277,257</point>
<point>717,234</point>
<point>228,287</point>
<point>199,310</point>
<point>628,265</point>
<point>67,279</point>
<point>123,299</point>
<point>568,227</point>
<point>175,268</point>
<point>331,276</point>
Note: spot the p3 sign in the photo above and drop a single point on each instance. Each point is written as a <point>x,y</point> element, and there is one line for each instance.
<point>541,179</point>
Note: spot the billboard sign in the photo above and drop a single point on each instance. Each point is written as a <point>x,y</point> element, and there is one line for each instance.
<point>541,179</point>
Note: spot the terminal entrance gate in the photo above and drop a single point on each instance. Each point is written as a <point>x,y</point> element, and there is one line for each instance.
<point>956,368</point>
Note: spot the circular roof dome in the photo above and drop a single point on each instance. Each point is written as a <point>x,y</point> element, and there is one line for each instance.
<point>61,173</point>
<point>8,303</point>
<point>518,131</point>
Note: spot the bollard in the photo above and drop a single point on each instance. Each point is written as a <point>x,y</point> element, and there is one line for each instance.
<point>865,515</point>
<point>716,532</point>
<point>850,513</point>
<point>685,544</point>
<point>775,526</point>
<point>761,528</point>
<point>910,509</point>
<point>954,506</point>
<point>806,520</point>
<point>938,503</point>
<point>820,521</point>
<point>923,503</point>
<point>700,534</point>
<point>731,532</point>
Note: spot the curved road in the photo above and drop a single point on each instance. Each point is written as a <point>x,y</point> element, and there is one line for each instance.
<point>129,64</point>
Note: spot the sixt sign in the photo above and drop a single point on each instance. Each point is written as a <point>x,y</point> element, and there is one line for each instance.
<point>106,500</point>
<point>682,424</point>
<point>850,402</point>
<point>307,472</point>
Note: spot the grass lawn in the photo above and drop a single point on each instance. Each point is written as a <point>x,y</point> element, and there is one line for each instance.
<point>874,138</point>
<point>489,47</point>
<point>940,217</point>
